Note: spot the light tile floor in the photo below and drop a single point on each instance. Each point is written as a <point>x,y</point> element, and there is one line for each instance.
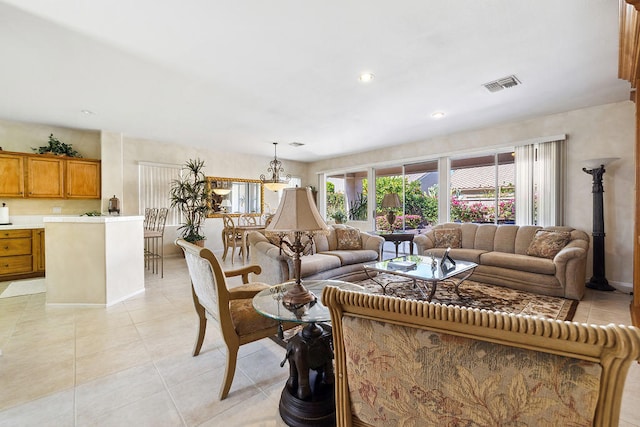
<point>131,365</point>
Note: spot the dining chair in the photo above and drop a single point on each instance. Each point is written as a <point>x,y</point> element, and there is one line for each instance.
<point>231,310</point>
<point>266,219</point>
<point>246,219</point>
<point>231,238</point>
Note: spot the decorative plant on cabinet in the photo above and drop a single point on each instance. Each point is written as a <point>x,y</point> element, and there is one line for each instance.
<point>189,194</point>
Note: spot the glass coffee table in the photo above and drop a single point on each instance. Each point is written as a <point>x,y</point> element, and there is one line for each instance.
<point>424,271</point>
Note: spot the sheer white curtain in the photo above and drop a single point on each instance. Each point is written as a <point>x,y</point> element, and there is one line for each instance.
<point>550,180</point>
<point>540,183</point>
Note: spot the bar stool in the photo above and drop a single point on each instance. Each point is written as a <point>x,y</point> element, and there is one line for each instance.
<point>154,240</point>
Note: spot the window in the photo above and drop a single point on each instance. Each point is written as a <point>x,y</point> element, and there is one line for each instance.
<point>155,184</point>
<point>482,188</point>
<point>416,185</point>
<point>346,196</point>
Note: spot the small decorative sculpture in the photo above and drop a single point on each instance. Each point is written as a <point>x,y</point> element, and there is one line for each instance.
<point>305,353</point>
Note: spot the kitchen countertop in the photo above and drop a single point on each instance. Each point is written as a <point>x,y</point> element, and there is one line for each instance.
<point>93,219</point>
<point>35,221</point>
<point>21,222</point>
<point>21,226</point>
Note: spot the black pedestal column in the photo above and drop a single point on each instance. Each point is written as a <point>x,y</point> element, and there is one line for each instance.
<point>598,280</point>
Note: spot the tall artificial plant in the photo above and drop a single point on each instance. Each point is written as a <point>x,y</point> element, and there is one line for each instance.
<point>189,194</point>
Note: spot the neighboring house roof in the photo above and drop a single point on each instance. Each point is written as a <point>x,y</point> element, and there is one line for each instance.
<point>482,177</point>
<point>470,178</point>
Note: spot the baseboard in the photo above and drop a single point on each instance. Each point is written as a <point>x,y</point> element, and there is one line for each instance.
<point>626,288</point>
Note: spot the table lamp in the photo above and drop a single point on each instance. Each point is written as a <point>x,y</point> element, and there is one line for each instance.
<point>391,201</point>
<point>297,216</point>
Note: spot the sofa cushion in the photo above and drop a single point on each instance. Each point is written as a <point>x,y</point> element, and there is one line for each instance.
<point>348,238</point>
<point>505,239</point>
<point>484,237</point>
<point>459,254</point>
<point>546,244</point>
<point>316,263</point>
<point>469,230</point>
<point>518,262</point>
<point>353,256</point>
<point>447,237</point>
<point>524,237</point>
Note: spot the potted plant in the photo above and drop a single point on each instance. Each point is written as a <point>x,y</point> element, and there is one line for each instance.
<point>339,217</point>
<point>58,148</point>
<point>189,194</point>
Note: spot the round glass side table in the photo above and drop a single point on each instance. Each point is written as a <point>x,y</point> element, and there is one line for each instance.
<point>308,397</point>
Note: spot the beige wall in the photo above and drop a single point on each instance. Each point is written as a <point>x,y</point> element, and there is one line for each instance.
<point>22,137</point>
<point>602,131</point>
<point>217,163</point>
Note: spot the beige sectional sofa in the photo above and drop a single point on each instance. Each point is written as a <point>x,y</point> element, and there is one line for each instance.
<point>338,255</point>
<point>518,257</point>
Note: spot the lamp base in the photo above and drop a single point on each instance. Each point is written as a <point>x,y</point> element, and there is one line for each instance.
<point>600,284</point>
<point>298,296</point>
<point>391,218</point>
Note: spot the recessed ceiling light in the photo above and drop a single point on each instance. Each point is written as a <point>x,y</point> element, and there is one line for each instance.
<point>437,115</point>
<point>366,77</point>
<point>87,112</point>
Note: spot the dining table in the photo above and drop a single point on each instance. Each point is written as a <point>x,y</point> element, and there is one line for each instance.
<point>243,230</point>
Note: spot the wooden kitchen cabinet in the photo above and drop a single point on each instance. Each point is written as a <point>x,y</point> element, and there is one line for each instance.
<point>83,179</point>
<point>21,253</point>
<point>15,252</point>
<point>48,176</point>
<point>12,173</point>
<point>37,235</point>
<point>45,177</point>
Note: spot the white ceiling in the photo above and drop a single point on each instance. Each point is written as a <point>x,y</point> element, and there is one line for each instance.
<point>240,74</point>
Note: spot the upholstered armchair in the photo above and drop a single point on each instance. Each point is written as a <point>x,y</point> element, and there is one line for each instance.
<point>231,310</point>
<point>408,362</point>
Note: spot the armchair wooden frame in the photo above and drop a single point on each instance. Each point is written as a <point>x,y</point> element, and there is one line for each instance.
<point>613,347</point>
<point>214,301</point>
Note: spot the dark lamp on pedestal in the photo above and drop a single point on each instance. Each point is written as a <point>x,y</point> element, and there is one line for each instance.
<point>595,168</point>
<point>295,218</point>
<point>391,201</point>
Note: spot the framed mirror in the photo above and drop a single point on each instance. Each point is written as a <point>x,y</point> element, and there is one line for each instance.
<point>235,196</point>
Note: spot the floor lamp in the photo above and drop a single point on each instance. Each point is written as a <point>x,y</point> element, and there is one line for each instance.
<point>595,168</point>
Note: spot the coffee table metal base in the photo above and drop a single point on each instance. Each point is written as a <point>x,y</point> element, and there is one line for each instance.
<point>421,284</point>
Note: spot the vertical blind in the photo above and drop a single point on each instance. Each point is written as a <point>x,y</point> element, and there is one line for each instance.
<point>540,183</point>
<point>155,183</point>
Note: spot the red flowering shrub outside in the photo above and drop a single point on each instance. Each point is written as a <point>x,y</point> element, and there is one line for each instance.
<point>411,222</point>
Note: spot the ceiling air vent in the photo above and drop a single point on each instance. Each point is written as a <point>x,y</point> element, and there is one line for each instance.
<point>503,83</point>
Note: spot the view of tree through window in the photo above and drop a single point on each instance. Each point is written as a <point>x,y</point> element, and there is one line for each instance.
<point>482,189</point>
<point>417,188</point>
<point>347,197</point>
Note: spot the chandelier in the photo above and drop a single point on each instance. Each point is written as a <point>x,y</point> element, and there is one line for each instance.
<point>275,182</point>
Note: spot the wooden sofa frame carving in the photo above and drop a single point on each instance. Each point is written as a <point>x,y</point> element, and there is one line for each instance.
<point>613,347</point>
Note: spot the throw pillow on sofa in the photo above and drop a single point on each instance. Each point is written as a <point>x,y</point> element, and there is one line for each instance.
<point>447,237</point>
<point>547,244</point>
<point>348,239</point>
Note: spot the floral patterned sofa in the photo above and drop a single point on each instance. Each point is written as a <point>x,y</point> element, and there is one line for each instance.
<point>338,255</point>
<point>549,261</point>
<point>414,363</point>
